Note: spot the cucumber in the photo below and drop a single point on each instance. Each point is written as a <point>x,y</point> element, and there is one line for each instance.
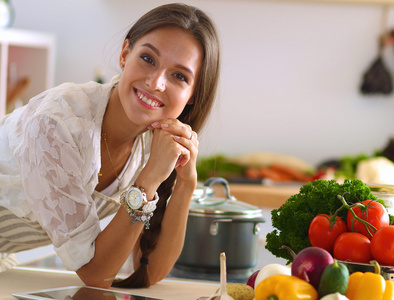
<point>334,279</point>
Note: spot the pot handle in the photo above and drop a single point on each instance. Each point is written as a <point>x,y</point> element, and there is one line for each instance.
<point>214,227</point>
<point>211,181</point>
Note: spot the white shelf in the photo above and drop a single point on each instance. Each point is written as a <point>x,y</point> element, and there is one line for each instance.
<point>33,54</point>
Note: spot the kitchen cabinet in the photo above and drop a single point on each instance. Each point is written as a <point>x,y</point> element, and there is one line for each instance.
<point>25,55</point>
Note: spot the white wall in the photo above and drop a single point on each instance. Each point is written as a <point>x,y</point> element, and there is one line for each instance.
<point>291,70</point>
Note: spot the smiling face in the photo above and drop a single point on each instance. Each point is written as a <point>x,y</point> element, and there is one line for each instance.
<point>159,76</point>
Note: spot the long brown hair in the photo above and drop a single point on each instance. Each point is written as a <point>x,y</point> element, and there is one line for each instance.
<point>197,23</point>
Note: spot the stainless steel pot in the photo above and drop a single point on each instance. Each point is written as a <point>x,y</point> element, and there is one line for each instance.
<point>218,225</point>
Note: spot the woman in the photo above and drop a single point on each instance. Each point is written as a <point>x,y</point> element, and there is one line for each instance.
<point>78,153</point>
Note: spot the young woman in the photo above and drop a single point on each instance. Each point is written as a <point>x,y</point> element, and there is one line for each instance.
<point>80,152</point>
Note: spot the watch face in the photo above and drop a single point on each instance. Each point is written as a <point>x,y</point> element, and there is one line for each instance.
<point>134,198</point>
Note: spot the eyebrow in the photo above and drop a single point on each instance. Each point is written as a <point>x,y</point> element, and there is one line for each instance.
<point>154,49</point>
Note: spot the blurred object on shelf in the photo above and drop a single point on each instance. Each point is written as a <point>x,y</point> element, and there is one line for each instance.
<point>217,166</point>
<point>256,167</point>
<point>377,78</point>
<point>16,91</point>
<point>376,170</point>
<point>99,78</point>
<point>386,193</point>
<point>388,151</point>
<point>7,14</point>
<point>265,159</point>
<point>266,168</point>
<point>349,163</point>
<point>278,173</point>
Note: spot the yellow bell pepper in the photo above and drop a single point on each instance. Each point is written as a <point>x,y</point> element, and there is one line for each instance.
<point>389,291</point>
<point>369,286</point>
<point>285,287</point>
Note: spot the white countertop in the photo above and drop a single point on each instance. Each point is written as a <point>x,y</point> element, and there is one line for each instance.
<point>24,280</point>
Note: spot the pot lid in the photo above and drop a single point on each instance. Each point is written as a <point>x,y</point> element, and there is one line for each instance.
<point>199,190</point>
<point>207,204</point>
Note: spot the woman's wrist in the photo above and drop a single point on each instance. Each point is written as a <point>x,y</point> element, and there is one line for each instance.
<point>186,185</point>
<point>149,183</point>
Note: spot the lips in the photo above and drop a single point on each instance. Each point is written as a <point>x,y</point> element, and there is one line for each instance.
<point>152,103</point>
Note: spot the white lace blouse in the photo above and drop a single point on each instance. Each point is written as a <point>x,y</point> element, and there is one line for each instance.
<point>49,165</point>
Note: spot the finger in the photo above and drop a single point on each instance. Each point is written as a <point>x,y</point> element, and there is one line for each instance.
<point>193,135</point>
<point>156,125</point>
<point>182,160</point>
<point>175,127</point>
<point>186,142</point>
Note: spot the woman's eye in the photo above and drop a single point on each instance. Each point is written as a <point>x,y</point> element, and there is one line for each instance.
<point>148,59</point>
<point>180,77</point>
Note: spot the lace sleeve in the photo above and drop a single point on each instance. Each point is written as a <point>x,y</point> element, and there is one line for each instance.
<point>51,161</point>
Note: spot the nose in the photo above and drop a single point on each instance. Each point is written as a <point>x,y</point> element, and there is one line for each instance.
<point>157,80</point>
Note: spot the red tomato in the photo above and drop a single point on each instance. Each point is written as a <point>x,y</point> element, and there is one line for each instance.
<point>375,214</point>
<point>323,233</point>
<point>354,247</point>
<point>382,246</point>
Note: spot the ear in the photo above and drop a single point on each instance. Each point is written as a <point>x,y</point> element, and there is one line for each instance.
<point>123,54</point>
<point>191,101</point>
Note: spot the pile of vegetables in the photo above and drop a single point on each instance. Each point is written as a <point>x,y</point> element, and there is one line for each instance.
<point>315,274</point>
<point>293,219</point>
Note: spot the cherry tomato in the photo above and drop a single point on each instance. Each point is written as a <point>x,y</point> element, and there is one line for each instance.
<point>323,231</point>
<point>354,247</point>
<point>375,214</point>
<point>382,246</point>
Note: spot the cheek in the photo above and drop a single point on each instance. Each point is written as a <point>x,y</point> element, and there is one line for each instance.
<point>181,99</point>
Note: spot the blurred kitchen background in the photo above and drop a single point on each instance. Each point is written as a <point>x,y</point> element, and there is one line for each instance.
<point>291,72</point>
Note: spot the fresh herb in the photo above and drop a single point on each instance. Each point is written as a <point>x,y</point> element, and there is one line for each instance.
<point>292,219</point>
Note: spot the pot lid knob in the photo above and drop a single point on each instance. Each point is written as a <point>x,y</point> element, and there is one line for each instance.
<point>211,181</point>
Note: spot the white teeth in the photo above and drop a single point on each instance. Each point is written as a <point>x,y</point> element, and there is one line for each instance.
<point>148,101</point>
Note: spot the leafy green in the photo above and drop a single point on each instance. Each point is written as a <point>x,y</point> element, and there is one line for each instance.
<point>292,219</point>
<point>217,166</point>
<point>348,165</point>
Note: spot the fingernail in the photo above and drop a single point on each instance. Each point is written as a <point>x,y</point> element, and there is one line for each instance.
<point>155,124</point>
<point>177,137</point>
<point>164,125</point>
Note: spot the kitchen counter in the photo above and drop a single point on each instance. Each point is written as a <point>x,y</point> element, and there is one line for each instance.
<point>265,196</point>
<point>28,276</point>
<point>23,280</point>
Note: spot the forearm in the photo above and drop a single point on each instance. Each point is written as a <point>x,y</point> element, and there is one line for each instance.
<point>170,241</point>
<point>112,248</point>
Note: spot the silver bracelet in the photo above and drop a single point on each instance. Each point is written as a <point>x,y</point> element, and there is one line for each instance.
<point>141,218</point>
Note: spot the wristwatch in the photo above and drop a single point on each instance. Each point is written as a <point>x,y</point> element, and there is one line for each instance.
<point>135,198</point>
<point>137,206</point>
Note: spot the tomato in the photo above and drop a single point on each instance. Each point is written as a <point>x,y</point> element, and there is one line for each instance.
<point>374,213</point>
<point>354,247</point>
<point>382,246</point>
<point>323,231</point>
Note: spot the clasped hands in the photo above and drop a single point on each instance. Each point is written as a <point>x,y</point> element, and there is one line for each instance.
<point>174,145</point>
